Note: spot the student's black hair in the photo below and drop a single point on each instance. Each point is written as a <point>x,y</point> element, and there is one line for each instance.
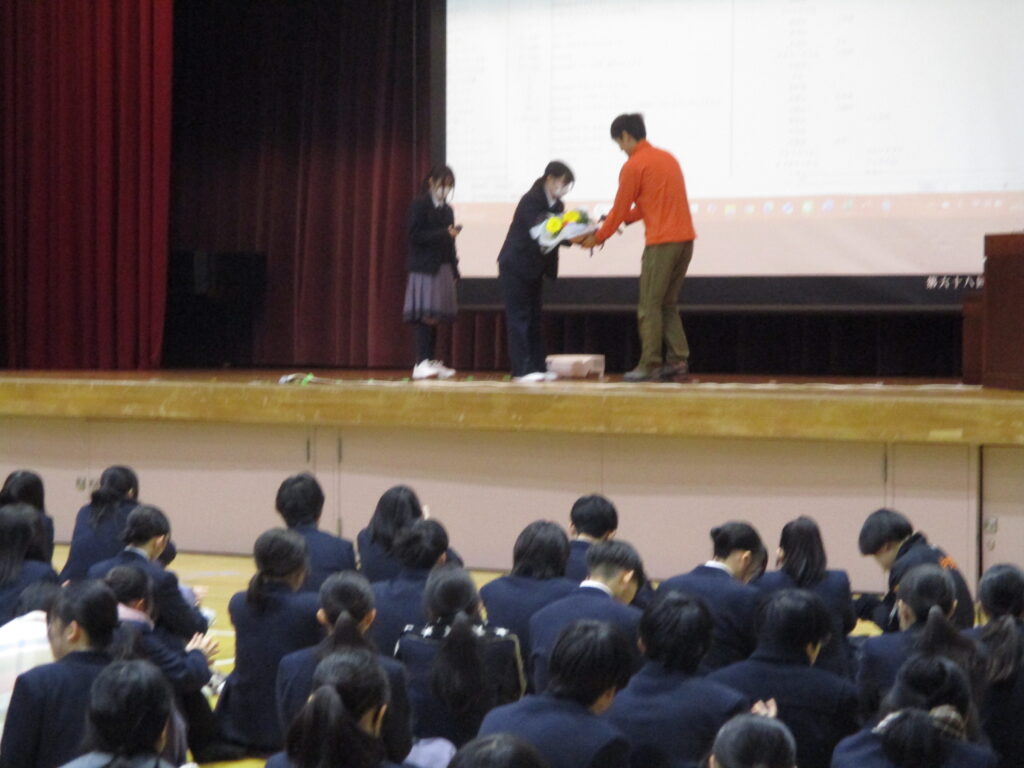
<point>589,657</point>
<point>92,605</point>
<point>279,554</point>
<point>632,123</point>
<point>541,551</point>
<point>594,515</point>
<point>753,741</point>
<point>397,509</point>
<point>606,558</point>
<point>23,486</point>
<point>676,629</point>
<point>556,169</point>
<point>129,707</point>
<point>931,695</point>
<point>117,485</point>
<point>732,536</point>
<point>499,750</point>
<point>300,500</point>
<point>346,598</point>
<point>793,619</point>
<point>1001,592</point>
<point>15,538</point>
<point>421,544</point>
<point>145,523</point>
<point>803,552</point>
<point>130,583</point>
<point>929,591</point>
<point>438,173</point>
<point>39,596</point>
<point>326,732</point>
<point>168,555</point>
<point>881,527</point>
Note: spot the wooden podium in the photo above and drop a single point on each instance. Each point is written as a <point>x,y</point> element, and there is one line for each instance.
<point>1003,312</point>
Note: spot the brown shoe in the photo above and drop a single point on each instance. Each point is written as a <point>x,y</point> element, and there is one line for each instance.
<point>640,374</point>
<point>672,371</point>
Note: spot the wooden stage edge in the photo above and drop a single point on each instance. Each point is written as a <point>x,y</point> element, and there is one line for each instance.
<point>848,410</point>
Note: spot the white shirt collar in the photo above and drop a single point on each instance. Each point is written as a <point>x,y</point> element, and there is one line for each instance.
<point>551,200</point>
<point>596,585</point>
<point>720,566</point>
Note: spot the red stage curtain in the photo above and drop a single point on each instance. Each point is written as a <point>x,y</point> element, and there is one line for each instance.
<point>86,95</point>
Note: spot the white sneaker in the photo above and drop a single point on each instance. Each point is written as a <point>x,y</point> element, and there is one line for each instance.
<point>443,372</point>
<point>424,370</point>
<point>531,378</point>
<point>550,376</point>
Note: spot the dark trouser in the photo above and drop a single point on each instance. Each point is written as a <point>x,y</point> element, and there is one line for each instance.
<point>522,319</point>
<point>657,313</point>
<point>426,341</point>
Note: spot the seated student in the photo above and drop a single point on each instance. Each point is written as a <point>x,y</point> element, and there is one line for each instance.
<point>592,519</point>
<point>537,578</point>
<point>146,534</point>
<point>46,718</point>
<point>300,501</point>
<point>271,619</point>
<point>23,640</point>
<point>341,723</point>
<point>753,741</point>
<point>100,524</point>
<point>668,714</point>
<point>16,571</point>
<point>927,720</point>
<point>723,584</point>
<point>590,663</point>
<point>346,611</point>
<point>819,707</point>
<point>397,509</point>
<point>927,600</point>
<point>1001,592</point>
<point>459,668</point>
<point>502,750</point>
<point>399,600</point>
<point>25,487</point>
<point>615,572</point>
<point>802,565</point>
<point>889,537</point>
<point>129,712</point>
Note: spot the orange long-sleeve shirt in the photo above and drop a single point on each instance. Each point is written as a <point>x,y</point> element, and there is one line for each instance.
<point>652,188</point>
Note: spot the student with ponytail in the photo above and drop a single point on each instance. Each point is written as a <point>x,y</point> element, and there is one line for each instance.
<point>271,619</point>
<point>928,719</point>
<point>100,524</point>
<point>459,668</point>
<point>346,611</point>
<point>340,724</point>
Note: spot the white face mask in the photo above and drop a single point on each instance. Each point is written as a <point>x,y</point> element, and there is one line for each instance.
<point>442,193</point>
<point>560,191</point>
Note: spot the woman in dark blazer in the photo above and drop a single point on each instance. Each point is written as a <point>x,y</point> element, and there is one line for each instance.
<point>16,571</point>
<point>802,565</point>
<point>271,619</point>
<point>100,523</point>
<point>26,487</point>
<point>522,265</point>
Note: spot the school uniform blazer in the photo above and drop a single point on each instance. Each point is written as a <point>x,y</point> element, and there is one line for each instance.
<point>399,604</point>
<point>295,683</point>
<point>91,544</point>
<point>327,554</point>
<point>246,712</point>
<point>377,565</point>
<point>31,572</point>
<point>733,606</point>
<point>503,677</point>
<point>512,600</point>
<point>186,671</point>
<point>172,612</point>
<point>46,718</point>
<point>834,591</point>
<point>1001,710</point>
<point>879,659</point>
<point>430,245</point>
<point>280,760</point>
<point>671,718</point>
<point>520,254</point>
<point>583,603</point>
<point>819,707</point>
<point>864,750</point>
<point>567,734</point>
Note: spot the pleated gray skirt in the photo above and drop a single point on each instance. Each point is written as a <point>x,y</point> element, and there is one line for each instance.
<point>431,297</point>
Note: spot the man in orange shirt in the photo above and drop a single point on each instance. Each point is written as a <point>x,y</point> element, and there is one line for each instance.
<point>651,187</point>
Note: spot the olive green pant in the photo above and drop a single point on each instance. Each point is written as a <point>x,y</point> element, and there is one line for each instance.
<point>662,270</point>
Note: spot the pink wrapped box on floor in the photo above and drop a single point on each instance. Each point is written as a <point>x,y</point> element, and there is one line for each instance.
<point>576,366</point>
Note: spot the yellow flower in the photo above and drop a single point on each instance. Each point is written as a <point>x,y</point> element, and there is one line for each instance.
<point>554,225</point>
<point>572,217</point>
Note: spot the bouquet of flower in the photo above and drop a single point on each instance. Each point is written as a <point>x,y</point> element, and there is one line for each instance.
<point>557,228</point>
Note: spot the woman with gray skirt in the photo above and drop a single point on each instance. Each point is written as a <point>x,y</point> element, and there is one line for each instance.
<point>433,269</point>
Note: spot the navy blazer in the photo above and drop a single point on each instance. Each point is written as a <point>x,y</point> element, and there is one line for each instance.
<point>671,718</point>
<point>327,554</point>
<point>567,734</point>
<point>834,591</point>
<point>430,245</point>
<point>295,683</point>
<point>503,677</point>
<point>879,659</point>
<point>280,760</point>
<point>170,608</point>
<point>399,604</point>
<point>583,603</point>
<point>246,711</point>
<point>733,607</point>
<point>46,717</point>
<point>31,572</point>
<point>1001,710</point>
<point>377,565</point>
<point>819,707</point>
<point>187,671</point>
<point>864,750</point>
<point>520,254</point>
<point>512,600</point>
<point>91,544</point>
